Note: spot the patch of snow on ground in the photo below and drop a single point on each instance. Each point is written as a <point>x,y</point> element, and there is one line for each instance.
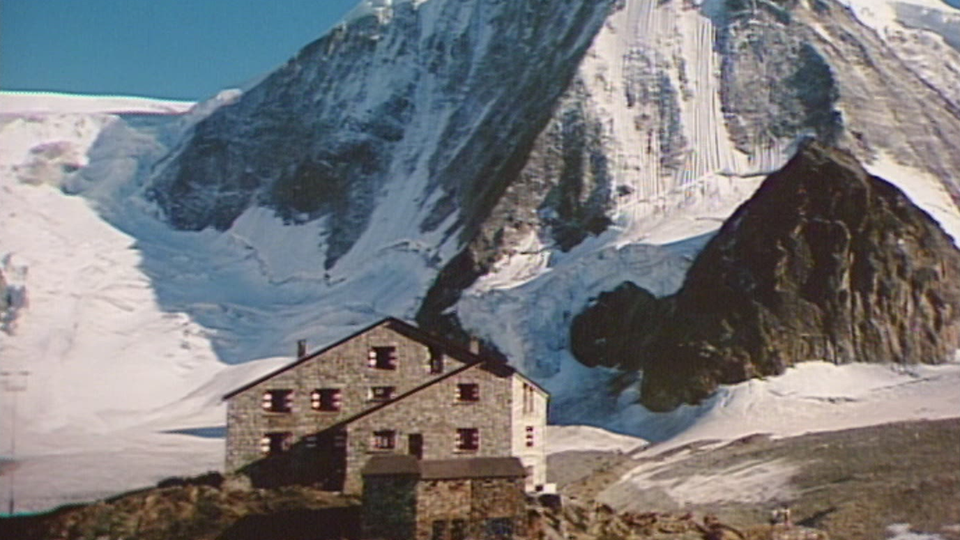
<point>753,483</point>
<point>811,397</point>
<point>88,467</point>
<point>587,438</point>
<point>901,531</point>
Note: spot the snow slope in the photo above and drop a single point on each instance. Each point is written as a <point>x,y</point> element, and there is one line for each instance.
<point>124,387</point>
<point>102,356</point>
<point>581,438</point>
<point>809,398</point>
<point>130,329</point>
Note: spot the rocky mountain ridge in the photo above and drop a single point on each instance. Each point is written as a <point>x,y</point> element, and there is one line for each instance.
<point>489,167</point>
<point>824,262</point>
<point>473,133</point>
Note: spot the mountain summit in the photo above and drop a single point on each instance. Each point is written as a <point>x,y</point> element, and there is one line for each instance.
<point>465,133</point>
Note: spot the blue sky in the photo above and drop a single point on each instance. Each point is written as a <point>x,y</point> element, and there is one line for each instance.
<point>183,49</point>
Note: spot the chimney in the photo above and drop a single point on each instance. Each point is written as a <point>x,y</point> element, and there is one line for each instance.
<point>301,348</point>
<point>474,345</point>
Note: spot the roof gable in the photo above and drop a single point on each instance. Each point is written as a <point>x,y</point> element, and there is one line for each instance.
<point>450,348</point>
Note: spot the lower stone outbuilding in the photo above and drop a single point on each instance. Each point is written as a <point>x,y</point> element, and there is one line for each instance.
<point>450,499</point>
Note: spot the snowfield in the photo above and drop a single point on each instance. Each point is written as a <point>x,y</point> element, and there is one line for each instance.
<point>813,396</point>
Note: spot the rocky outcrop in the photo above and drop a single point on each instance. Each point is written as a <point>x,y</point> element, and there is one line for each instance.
<point>824,262</point>
<point>617,327</point>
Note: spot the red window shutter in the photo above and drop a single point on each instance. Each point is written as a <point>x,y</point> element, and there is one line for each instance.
<point>337,399</point>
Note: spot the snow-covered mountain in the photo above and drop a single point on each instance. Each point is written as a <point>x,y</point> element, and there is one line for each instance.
<point>487,165</point>
<point>409,137</point>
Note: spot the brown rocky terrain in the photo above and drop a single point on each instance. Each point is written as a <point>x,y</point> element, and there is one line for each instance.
<point>851,484</point>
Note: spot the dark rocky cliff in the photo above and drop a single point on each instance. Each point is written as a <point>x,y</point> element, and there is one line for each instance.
<point>450,94</point>
<point>824,262</point>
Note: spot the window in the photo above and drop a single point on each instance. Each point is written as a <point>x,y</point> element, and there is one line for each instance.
<point>325,399</point>
<point>381,393</point>
<point>498,529</point>
<point>276,442</point>
<point>468,392</point>
<point>278,401</point>
<point>382,358</point>
<point>439,530</point>
<point>384,439</point>
<point>435,364</point>
<point>468,439</point>
<point>458,529</point>
<point>530,440</point>
<point>415,445</point>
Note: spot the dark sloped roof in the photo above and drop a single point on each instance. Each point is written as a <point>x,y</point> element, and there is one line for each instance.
<point>377,407</point>
<point>480,467</point>
<point>303,359</point>
<point>393,464</point>
<point>452,349</point>
<point>444,469</point>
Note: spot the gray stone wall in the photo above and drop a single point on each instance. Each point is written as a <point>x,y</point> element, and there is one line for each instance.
<point>344,367</point>
<point>528,409</point>
<point>475,501</point>
<point>435,414</point>
<point>389,507</point>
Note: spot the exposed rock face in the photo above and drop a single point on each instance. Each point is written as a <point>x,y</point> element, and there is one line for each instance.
<point>617,327</point>
<point>464,134</point>
<point>445,97</point>
<point>824,262</point>
<point>488,119</point>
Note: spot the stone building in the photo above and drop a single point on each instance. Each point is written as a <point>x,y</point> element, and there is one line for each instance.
<point>451,499</point>
<point>390,388</point>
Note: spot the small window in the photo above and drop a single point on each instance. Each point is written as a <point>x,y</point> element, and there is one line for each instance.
<point>439,530</point>
<point>468,392</point>
<point>382,358</point>
<point>530,440</point>
<point>415,445</point>
<point>384,439</point>
<point>279,401</point>
<point>381,393</point>
<point>468,439</point>
<point>325,399</point>
<point>276,442</point>
<point>435,364</point>
<point>458,529</point>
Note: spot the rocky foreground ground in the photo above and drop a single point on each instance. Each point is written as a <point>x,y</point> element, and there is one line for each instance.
<point>852,484</point>
<point>846,485</point>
